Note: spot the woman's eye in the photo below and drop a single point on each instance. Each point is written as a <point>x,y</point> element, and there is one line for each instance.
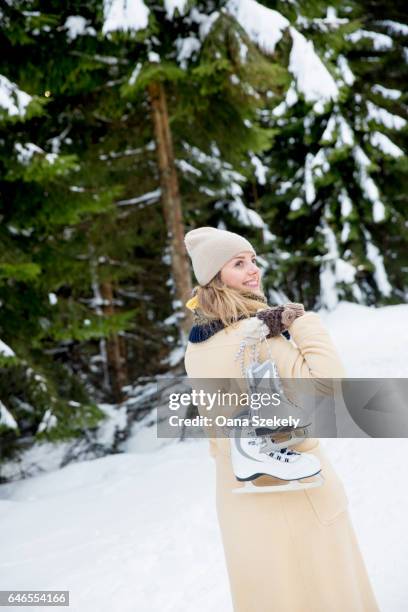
<point>254,261</point>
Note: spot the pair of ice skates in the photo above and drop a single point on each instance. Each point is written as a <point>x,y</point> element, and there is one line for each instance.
<point>260,451</point>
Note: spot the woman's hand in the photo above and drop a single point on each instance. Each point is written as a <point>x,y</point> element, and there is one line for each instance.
<point>279,318</point>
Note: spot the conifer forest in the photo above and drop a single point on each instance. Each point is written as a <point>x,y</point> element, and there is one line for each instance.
<point>124,124</point>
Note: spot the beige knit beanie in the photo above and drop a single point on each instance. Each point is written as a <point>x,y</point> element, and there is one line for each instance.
<point>211,248</point>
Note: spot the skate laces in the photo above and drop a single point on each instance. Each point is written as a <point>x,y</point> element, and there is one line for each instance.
<point>282,454</point>
<point>285,455</point>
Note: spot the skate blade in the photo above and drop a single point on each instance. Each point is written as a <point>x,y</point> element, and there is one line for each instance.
<point>292,485</point>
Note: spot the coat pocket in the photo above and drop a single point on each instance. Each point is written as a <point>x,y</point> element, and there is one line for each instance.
<point>330,500</point>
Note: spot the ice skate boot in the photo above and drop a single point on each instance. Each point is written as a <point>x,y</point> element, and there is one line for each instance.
<point>255,456</point>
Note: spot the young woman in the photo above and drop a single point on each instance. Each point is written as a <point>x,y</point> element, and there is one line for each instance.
<point>293,551</point>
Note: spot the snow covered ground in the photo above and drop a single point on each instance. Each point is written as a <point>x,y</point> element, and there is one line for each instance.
<point>138,531</point>
<point>373,342</point>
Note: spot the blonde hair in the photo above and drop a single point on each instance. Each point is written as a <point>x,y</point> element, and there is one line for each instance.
<point>218,301</point>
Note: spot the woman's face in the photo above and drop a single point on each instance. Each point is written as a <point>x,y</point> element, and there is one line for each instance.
<point>241,272</point>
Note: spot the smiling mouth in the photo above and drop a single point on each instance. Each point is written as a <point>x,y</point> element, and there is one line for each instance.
<point>252,284</point>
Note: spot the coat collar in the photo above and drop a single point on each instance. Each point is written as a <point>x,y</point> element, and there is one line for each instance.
<point>204,327</point>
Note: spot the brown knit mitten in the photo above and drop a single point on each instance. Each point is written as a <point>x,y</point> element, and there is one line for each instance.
<point>279,318</point>
<point>292,311</point>
<point>272,317</point>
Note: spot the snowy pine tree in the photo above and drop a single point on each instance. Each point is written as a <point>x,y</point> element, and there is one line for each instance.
<point>322,195</point>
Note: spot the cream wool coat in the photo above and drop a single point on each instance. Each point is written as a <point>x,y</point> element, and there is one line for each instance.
<point>293,551</point>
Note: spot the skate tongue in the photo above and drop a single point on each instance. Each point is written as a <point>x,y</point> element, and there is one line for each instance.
<point>270,444</point>
<point>265,431</point>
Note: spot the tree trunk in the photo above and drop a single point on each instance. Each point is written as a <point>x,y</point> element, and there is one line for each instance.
<point>117,365</point>
<point>98,309</point>
<point>171,203</point>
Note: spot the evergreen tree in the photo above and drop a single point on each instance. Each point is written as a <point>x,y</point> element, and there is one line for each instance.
<point>83,177</point>
<point>40,213</point>
<point>322,195</point>
<point>378,60</point>
<point>191,74</point>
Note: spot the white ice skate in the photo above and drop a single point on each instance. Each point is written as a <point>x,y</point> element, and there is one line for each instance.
<point>257,452</point>
<point>255,456</point>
